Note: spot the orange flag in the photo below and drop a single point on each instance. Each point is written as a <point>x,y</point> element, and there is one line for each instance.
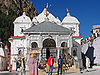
<point>67,10</point>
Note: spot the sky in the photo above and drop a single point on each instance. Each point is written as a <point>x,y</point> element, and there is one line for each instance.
<point>86,11</point>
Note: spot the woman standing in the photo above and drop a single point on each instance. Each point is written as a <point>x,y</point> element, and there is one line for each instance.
<point>32,63</point>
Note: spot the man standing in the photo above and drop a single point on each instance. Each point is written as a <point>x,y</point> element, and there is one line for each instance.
<point>60,63</point>
<point>50,63</point>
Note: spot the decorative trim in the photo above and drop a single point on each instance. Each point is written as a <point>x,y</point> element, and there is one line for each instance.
<point>17,36</point>
<point>2,56</point>
<point>65,47</point>
<point>10,39</point>
<point>77,36</point>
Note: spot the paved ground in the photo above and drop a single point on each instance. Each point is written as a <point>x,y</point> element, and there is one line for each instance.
<point>8,73</point>
<point>91,72</point>
<point>94,71</point>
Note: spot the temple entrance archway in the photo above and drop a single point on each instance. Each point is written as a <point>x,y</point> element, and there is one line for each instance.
<point>49,47</point>
<point>48,43</point>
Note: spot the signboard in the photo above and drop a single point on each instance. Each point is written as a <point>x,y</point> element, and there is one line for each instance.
<point>33,51</point>
<point>65,47</point>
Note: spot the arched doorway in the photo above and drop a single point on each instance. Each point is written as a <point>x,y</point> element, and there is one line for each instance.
<point>49,47</point>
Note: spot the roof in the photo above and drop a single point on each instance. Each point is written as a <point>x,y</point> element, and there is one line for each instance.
<point>48,27</point>
<point>41,17</point>
<point>70,19</point>
<point>96,26</point>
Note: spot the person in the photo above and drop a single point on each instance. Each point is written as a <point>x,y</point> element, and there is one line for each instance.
<point>32,64</point>
<point>39,66</point>
<point>69,60</point>
<point>18,64</point>
<point>10,69</point>
<point>23,65</point>
<point>50,63</point>
<point>87,63</point>
<point>60,63</point>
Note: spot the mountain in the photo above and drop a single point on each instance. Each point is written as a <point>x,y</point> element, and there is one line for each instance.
<point>9,10</point>
<point>17,7</point>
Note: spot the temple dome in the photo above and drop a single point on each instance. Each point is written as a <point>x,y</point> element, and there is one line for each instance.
<point>23,19</point>
<point>70,19</point>
<point>41,17</point>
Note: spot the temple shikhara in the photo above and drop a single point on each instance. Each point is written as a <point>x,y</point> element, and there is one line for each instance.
<point>44,35</point>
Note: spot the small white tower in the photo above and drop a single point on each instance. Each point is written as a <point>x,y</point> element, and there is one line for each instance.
<point>21,23</point>
<point>72,23</point>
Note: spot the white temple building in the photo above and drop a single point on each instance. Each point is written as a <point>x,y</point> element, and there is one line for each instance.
<point>44,35</point>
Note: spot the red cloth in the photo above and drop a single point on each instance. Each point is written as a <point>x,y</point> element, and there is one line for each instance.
<point>49,60</point>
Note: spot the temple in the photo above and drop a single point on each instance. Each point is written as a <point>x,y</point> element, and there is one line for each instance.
<point>45,35</point>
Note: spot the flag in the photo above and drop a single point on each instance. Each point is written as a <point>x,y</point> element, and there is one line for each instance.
<point>49,5</point>
<point>67,10</point>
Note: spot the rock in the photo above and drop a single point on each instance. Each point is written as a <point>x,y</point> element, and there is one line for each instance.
<point>18,7</point>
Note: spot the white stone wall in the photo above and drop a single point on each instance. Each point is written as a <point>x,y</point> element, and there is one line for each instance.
<point>19,26</point>
<point>96,45</point>
<point>78,40</point>
<point>74,27</point>
<point>15,44</point>
<point>22,22</point>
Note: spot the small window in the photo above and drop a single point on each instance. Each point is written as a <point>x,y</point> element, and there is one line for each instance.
<point>22,30</point>
<point>19,52</point>
<point>74,53</point>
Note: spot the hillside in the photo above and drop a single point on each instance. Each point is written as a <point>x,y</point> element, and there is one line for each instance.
<point>9,10</point>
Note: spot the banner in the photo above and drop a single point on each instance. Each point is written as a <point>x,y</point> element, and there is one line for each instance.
<point>33,51</point>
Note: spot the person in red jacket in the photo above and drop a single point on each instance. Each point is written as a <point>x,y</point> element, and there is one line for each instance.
<point>50,63</point>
